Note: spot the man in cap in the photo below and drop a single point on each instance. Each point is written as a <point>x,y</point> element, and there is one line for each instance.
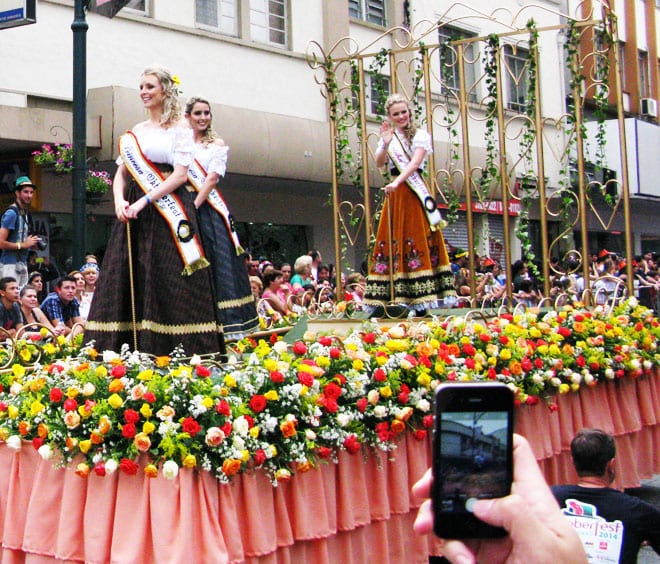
<point>15,238</point>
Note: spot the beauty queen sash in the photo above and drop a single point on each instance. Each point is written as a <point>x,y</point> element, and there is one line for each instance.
<point>197,177</point>
<point>401,158</point>
<point>148,178</point>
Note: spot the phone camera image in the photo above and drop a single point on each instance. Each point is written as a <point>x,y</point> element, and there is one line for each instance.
<point>472,455</point>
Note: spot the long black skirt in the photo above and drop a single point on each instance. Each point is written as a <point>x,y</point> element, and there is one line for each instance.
<point>236,305</point>
<point>171,309</point>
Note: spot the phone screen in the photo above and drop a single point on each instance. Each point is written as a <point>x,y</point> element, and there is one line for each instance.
<point>472,456</point>
<point>473,451</point>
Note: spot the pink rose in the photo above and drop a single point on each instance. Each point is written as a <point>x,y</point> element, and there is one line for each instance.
<point>214,436</point>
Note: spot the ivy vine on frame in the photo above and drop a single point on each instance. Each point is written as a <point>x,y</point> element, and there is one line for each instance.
<point>529,179</point>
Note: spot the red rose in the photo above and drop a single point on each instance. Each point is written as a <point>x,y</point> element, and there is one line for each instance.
<point>2,388</point>
<point>37,442</point>
<point>369,338</point>
<point>131,416</point>
<point>403,397</point>
<point>149,397</point>
<point>484,337</point>
<point>425,361</point>
<point>305,378</point>
<point>564,331</point>
<point>324,452</point>
<point>3,406</point>
<point>553,407</point>
<point>335,353</point>
<point>56,395</point>
<point>259,457</point>
<point>118,371</point>
<point>526,364</point>
<point>299,348</point>
<point>226,428</point>
<point>470,363</point>
<point>277,377</point>
<point>99,469</point>
<point>491,373</point>
<point>352,444</point>
<point>128,466</point>
<point>190,426</point>
<point>258,403</point>
<point>274,338</point>
<point>250,421</point>
<point>580,361</point>
<point>202,371</point>
<point>70,404</point>
<point>503,339</point>
<point>380,375</point>
<point>469,350</point>
<point>330,404</point>
<point>332,391</point>
<point>532,400</point>
<point>420,434</point>
<point>223,408</point>
<point>325,341</point>
<point>128,431</point>
<point>538,363</point>
<point>362,404</point>
<point>411,359</point>
<point>427,421</point>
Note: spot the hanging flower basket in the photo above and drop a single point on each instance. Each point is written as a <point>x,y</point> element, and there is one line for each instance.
<point>60,157</point>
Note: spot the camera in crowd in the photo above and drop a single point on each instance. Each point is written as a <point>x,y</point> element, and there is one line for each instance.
<point>41,244</point>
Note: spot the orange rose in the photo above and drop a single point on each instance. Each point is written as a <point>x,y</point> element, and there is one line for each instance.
<point>288,429</point>
<point>82,470</point>
<point>515,367</point>
<point>96,437</point>
<point>23,428</point>
<point>42,430</point>
<point>424,349</point>
<point>151,471</point>
<point>398,426</point>
<point>231,466</point>
<point>115,386</point>
<point>162,361</point>
<point>304,466</point>
<point>142,442</point>
<point>104,424</point>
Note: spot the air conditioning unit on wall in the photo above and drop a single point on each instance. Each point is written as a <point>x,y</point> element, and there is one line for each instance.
<point>649,107</point>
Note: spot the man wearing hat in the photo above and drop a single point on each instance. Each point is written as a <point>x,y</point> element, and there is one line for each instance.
<point>15,240</point>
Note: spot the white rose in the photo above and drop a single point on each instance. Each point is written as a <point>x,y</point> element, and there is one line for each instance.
<point>170,469</point>
<point>195,360</point>
<point>109,356</point>
<point>238,443</point>
<point>241,426</point>
<point>380,411</point>
<point>14,442</point>
<point>280,347</point>
<point>343,419</point>
<point>556,382</point>
<point>588,379</point>
<point>609,374</point>
<point>88,389</point>
<point>423,405</point>
<point>373,396</point>
<point>45,452</point>
<point>111,466</point>
<point>537,378</point>
<point>310,435</point>
<point>15,389</point>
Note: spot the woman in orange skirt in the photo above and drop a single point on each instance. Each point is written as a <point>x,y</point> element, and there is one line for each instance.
<point>409,252</point>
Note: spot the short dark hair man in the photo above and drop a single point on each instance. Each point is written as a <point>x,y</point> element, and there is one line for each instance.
<point>15,240</point>
<point>11,318</point>
<point>611,524</point>
<point>61,306</point>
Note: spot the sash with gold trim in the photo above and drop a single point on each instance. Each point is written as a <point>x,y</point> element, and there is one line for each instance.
<point>148,178</point>
<point>400,157</point>
<point>197,177</point>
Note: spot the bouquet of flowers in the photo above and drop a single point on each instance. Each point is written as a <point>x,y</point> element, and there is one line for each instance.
<point>285,407</point>
<point>98,182</point>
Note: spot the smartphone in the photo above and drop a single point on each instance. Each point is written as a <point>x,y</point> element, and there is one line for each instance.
<point>472,455</point>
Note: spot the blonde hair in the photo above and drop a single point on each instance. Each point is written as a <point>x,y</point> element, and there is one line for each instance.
<point>302,263</point>
<point>209,135</point>
<point>171,107</point>
<point>397,98</point>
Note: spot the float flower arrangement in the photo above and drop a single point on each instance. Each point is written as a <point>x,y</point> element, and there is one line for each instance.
<point>286,407</point>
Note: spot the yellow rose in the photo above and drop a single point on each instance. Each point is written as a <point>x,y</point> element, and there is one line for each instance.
<point>564,388</point>
<point>101,371</point>
<point>146,375</point>
<point>505,354</point>
<point>229,381</point>
<point>85,445</point>
<point>25,354</point>
<point>190,461</point>
<point>381,360</point>
<point>323,361</point>
<point>72,392</point>
<point>115,401</point>
<point>146,411</point>
<point>162,361</point>
<point>36,407</point>
<point>116,385</point>
<point>18,370</point>
<point>358,364</point>
<point>207,402</point>
<point>245,455</point>
<point>12,411</point>
<point>255,431</point>
<point>148,427</point>
<point>386,391</point>
<point>272,395</point>
<point>270,364</point>
<point>424,380</point>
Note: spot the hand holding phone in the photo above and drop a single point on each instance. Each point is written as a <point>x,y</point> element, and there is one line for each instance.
<point>472,455</point>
